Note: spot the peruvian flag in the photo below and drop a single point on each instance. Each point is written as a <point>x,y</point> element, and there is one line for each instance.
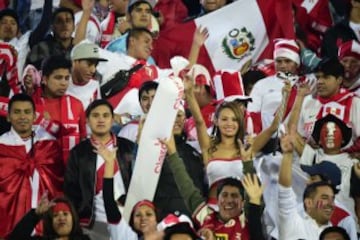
<point>314,18</point>
<point>238,32</point>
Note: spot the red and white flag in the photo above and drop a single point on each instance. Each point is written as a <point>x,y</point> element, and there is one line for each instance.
<point>314,18</point>
<point>237,32</point>
<point>8,70</point>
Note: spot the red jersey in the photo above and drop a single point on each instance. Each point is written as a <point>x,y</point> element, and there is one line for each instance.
<point>67,123</point>
<point>234,229</point>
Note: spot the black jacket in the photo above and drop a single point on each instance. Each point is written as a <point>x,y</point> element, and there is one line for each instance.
<point>26,225</point>
<point>80,175</point>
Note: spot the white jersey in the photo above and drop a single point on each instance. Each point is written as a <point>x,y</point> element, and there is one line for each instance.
<point>86,93</point>
<point>266,98</point>
<point>292,224</point>
<point>129,131</point>
<point>345,164</point>
<point>310,110</point>
<point>93,31</point>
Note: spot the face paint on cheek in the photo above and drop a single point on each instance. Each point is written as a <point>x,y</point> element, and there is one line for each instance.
<point>319,204</point>
<point>330,135</point>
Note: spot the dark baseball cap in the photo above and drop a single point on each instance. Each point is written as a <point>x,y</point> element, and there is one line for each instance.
<point>328,170</point>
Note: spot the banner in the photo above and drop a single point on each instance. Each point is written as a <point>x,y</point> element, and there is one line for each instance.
<point>151,153</point>
<point>238,32</point>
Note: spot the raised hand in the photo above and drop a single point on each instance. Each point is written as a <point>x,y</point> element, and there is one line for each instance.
<point>170,144</point>
<point>123,25</point>
<point>200,36</point>
<point>253,188</point>
<point>207,234</point>
<point>105,153</point>
<point>246,149</point>
<point>303,89</point>
<point>287,87</point>
<point>87,5</point>
<point>286,143</point>
<point>44,204</point>
<point>188,80</point>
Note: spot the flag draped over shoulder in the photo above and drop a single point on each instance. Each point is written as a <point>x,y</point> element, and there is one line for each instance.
<point>17,168</point>
<point>239,31</point>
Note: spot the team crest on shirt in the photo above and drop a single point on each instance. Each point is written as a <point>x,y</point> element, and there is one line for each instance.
<point>221,236</point>
<point>238,43</point>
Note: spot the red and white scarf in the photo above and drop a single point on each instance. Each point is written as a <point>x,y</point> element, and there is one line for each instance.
<point>109,30</point>
<point>8,65</point>
<point>339,105</point>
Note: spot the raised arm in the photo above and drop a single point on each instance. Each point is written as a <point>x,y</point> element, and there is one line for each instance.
<point>262,139</point>
<point>43,26</point>
<point>254,191</point>
<point>299,142</point>
<point>26,225</point>
<point>118,228</point>
<point>80,33</point>
<point>203,137</point>
<point>200,36</point>
<point>285,174</point>
<point>191,194</point>
<point>113,214</point>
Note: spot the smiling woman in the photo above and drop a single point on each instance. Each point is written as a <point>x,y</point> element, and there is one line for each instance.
<point>222,152</point>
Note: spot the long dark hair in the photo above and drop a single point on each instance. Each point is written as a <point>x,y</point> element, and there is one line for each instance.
<point>49,231</point>
<point>239,114</point>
